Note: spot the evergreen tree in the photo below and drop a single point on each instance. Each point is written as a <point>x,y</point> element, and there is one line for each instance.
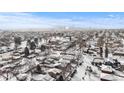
<point>42,48</point>
<point>101,51</point>
<point>106,52</point>
<point>36,40</point>
<point>17,40</point>
<point>28,42</point>
<point>26,51</point>
<point>32,45</point>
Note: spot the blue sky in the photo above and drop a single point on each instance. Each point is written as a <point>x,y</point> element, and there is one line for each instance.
<point>77,14</point>
<point>16,20</point>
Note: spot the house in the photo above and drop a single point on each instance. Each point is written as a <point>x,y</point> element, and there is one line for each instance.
<point>54,72</point>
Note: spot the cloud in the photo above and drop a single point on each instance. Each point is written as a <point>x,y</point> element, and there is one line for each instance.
<point>111,15</point>
<point>28,20</point>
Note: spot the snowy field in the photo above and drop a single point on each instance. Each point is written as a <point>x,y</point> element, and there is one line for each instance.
<point>94,55</point>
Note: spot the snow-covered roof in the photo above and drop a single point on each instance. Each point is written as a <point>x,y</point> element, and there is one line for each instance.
<point>98,60</point>
<point>106,76</point>
<point>41,77</point>
<point>54,70</point>
<point>64,61</point>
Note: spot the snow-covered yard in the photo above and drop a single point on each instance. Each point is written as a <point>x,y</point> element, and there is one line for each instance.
<point>64,57</point>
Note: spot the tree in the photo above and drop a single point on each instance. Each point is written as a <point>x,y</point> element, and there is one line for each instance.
<point>17,40</point>
<point>38,68</point>
<point>26,51</point>
<point>32,45</point>
<point>70,38</point>
<point>28,42</point>
<point>101,51</point>
<point>106,52</point>
<point>42,48</point>
<point>36,41</point>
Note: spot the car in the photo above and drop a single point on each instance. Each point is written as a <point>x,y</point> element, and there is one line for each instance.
<point>1,51</point>
<point>107,69</point>
<point>9,49</point>
<point>97,62</point>
<point>109,63</point>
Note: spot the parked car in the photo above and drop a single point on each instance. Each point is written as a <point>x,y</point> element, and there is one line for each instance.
<point>1,51</point>
<point>9,49</point>
<point>97,62</point>
<point>107,69</point>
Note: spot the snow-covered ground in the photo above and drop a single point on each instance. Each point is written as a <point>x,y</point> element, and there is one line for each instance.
<point>69,55</point>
